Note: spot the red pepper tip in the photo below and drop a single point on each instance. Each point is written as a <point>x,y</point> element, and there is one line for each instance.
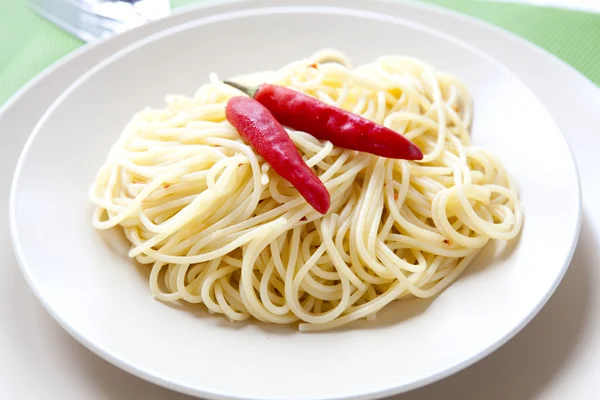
<point>321,208</point>
<point>320,200</point>
<point>415,153</point>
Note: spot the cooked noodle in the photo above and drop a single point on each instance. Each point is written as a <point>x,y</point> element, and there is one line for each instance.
<point>219,227</point>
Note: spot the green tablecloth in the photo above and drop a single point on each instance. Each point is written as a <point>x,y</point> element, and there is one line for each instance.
<point>28,43</point>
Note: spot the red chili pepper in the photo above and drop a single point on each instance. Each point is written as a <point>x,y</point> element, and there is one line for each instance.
<point>268,138</point>
<point>342,128</point>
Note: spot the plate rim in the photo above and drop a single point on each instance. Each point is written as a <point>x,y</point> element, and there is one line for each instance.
<point>172,384</point>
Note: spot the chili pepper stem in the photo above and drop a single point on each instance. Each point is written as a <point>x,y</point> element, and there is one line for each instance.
<point>249,91</point>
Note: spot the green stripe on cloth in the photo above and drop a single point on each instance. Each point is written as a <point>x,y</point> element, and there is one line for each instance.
<point>28,43</point>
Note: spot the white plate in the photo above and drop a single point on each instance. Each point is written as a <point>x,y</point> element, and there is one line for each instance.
<point>90,313</point>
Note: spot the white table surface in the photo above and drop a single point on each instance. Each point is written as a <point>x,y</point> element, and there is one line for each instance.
<point>557,356</point>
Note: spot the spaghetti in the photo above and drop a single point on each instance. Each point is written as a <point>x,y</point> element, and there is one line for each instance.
<point>219,227</point>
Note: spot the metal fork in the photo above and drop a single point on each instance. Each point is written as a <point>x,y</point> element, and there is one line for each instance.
<point>92,20</point>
